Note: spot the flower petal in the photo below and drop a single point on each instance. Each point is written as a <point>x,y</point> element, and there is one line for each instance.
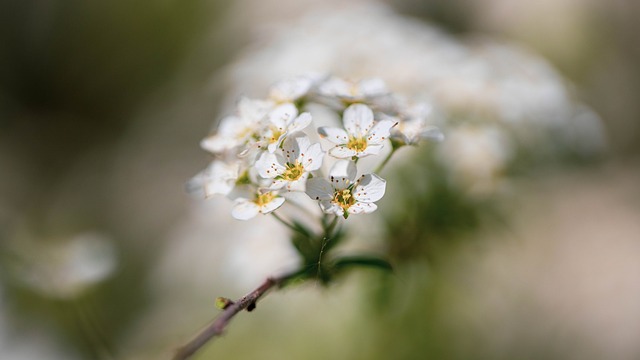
<point>362,207</point>
<point>312,157</point>
<point>272,205</point>
<point>244,209</point>
<point>300,122</point>
<point>335,135</point>
<point>342,152</point>
<point>282,115</point>
<point>371,150</point>
<point>330,208</point>
<point>344,169</point>
<point>380,132</point>
<point>270,165</point>
<point>370,188</point>
<point>319,189</point>
<point>358,120</point>
<point>300,184</point>
<point>372,87</point>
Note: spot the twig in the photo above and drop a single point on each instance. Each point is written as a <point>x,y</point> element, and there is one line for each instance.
<point>217,326</point>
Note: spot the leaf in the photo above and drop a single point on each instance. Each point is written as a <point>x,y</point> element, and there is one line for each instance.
<point>344,262</point>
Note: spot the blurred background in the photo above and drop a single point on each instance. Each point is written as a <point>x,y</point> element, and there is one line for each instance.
<point>517,237</point>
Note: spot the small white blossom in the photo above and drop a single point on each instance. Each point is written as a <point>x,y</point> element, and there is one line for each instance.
<point>290,165</point>
<point>353,92</point>
<point>343,195</point>
<point>219,177</point>
<point>280,122</point>
<point>292,89</point>
<point>238,130</point>
<point>362,137</point>
<point>263,202</point>
<point>413,127</point>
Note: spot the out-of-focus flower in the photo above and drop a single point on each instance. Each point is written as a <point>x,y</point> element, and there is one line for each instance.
<point>476,156</point>
<point>413,125</point>
<point>350,92</point>
<point>292,164</point>
<point>343,195</point>
<point>65,269</point>
<point>362,137</point>
<point>292,89</point>
<point>238,130</point>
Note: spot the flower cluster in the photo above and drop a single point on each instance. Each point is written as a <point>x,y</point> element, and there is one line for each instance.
<point>268,148</point>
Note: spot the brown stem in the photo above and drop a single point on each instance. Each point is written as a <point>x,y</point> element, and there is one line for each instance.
<point>217,326</point>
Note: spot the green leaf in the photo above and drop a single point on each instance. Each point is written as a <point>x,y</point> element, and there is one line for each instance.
<point>344,262</point>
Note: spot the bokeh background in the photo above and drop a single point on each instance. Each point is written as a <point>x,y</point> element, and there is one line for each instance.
<point>517,237</point>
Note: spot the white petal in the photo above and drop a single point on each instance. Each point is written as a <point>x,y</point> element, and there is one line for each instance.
<point>244,209</point>
<point>295,144</point>
<point>371,150</point>
<point>362,207</point>
<point>380,132</point>
<point>300,122</point>
<point>269,165</point>
<point>330,208</point>
<point>370,188</point>
<point>344,169</point>
<point>358,120</point>
<point>335,135</point>
<point>342,152</point>
<point>300,184</point>
<point>319,189</point>
<point>219,178</point>
<point>290,89</point>
<point>282,115</point>
<point>336,87</point>
<point>311,159</point>
<point>278,184</point>
<point>272,205</point>
<point>372,87</point>
<point>253,110</point>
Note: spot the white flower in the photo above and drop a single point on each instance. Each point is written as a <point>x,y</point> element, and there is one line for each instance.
<point>290,166</point>
<point>362,136</point>
<point>282,121</point>
<point>218,178</point>
<point>353,92</point>
<point>238,130</point>
<point>264,202</point>
<point>413,126</point>
<point>292,89</point>
<point>343,195</point>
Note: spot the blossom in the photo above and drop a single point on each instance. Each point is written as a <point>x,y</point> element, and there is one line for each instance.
<point>219,177</point>
<point>343,195</point>
<point>280,122</point>
<point>238,130</point>
<point>362,137</point>
<point>290,165</point>
<point>353,92</point>
<point>292,89</point>
<point>263,202</point>
<point>413,127</point>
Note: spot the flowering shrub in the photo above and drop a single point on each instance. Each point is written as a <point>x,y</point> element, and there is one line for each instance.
<point>271,151</point>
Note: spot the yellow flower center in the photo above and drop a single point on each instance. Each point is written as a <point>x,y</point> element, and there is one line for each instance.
<point>275,133</point>
<point>344,199</point>
<point>357,144</point>
<point>293,171</point>
<point>264,199</point>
